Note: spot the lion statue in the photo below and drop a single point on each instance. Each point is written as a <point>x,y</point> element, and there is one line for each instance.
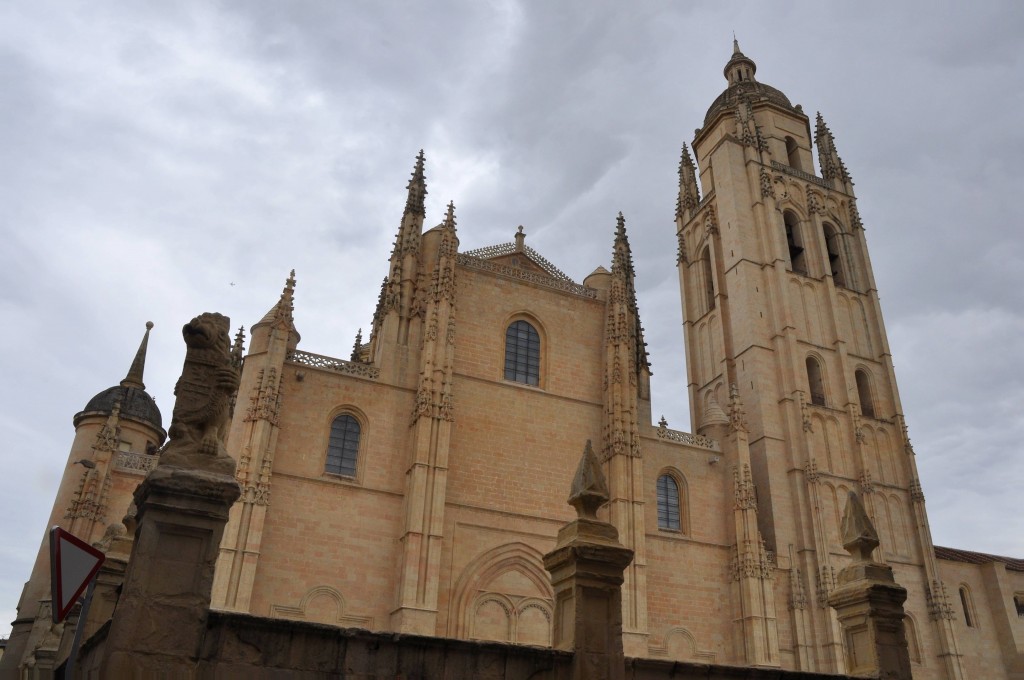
<point>203,394</point>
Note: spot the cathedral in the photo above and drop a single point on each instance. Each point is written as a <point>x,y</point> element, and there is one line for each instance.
<point>415,486</point>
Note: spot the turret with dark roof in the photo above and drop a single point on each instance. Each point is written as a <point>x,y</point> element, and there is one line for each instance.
<point>136,403</point>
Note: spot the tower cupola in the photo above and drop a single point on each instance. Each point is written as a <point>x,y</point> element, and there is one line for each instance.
<point>740,67</point>
<point>739,71</point>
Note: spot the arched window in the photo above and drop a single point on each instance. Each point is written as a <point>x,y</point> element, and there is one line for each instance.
<point>709,280</point>
<point>835,260</point>
<point>795,244</point>
<point>522,353</point>
<point>669,516</point>
<point>867,405</point>
<point>815,383</point>
<point>968,605</point>
<point>793,153</point>
<point>343,446</point>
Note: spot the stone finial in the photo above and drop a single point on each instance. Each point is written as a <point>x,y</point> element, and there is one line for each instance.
<point>520,239</point>
<point>858,533</point>
<point>138,367</point>
<point>589,488</point>
<point>208,382</point>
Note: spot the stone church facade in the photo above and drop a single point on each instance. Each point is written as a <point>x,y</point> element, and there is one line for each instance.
<point>416,486</point>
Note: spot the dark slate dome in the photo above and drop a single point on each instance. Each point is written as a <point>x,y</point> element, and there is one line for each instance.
<point>751,89</point>
<point>739,71</point>
<point>136,404</point>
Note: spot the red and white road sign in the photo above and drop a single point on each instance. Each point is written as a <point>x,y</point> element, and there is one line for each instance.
<point>73,564</point>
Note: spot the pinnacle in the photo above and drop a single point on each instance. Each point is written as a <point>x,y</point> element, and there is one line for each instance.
<point>449,219</point>
<point>138,367</point>
<point>417,188</point>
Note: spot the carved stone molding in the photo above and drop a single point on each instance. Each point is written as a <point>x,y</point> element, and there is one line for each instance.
<point>826,584</point>
<point>744,493</point>
<point>916,492</point>
<point>767,187</point>
<point>939,606</point>
<point>811,471</point>
<point>797,593</point>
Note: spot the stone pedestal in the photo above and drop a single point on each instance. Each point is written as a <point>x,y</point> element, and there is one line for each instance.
<point>161,616</point>
<point>587,573</point>
<point>869,604</point>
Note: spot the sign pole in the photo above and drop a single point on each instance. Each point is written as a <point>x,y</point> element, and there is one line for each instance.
<point>83,616</point>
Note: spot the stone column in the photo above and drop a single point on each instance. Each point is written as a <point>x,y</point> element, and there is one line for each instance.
<point>869,604</point>
<point>160,619</point>
<point>586,569</point>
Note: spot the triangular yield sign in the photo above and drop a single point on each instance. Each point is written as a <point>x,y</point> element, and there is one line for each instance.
<point>73,564</point>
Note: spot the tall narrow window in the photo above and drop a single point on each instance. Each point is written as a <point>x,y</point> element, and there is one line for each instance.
<point>793,153</point>
<point>668,504</point>
<point>522,353</point>
<point>867,406</point>
<point>343,446</point>
<point>814,382</point>
<point>835,260</point>
<point>709,280</point>
<point>965,602</point>
<point>1018,602</point>
<point>795,244</point>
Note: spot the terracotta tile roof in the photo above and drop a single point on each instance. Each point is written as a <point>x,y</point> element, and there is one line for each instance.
<point>957,555</point>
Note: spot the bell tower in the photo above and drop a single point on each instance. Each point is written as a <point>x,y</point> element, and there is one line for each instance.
<point>782,315</point>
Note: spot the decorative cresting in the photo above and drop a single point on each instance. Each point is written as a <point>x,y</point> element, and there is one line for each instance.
<point>586,569</point>
<point>137,463</point>
<point>352,368</point>
<point>431,421</point>
<point>680,437</point>
<point>869,603</point>
<point>489,252</point>
<point>566,286</point>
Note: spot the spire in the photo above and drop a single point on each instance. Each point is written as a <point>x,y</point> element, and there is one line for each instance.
<point>357,345</point>
<point>238,348</point>
<point>417,189</point>
<point>449,218</point>
<point>280,315</point>
<point>623,283</point>
<point>832,167</point>
<point>740,67</point>
<point>134,377</point>
<point>689,193</point>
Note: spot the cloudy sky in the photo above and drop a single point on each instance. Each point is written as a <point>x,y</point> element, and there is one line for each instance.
<point>166,158</point>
